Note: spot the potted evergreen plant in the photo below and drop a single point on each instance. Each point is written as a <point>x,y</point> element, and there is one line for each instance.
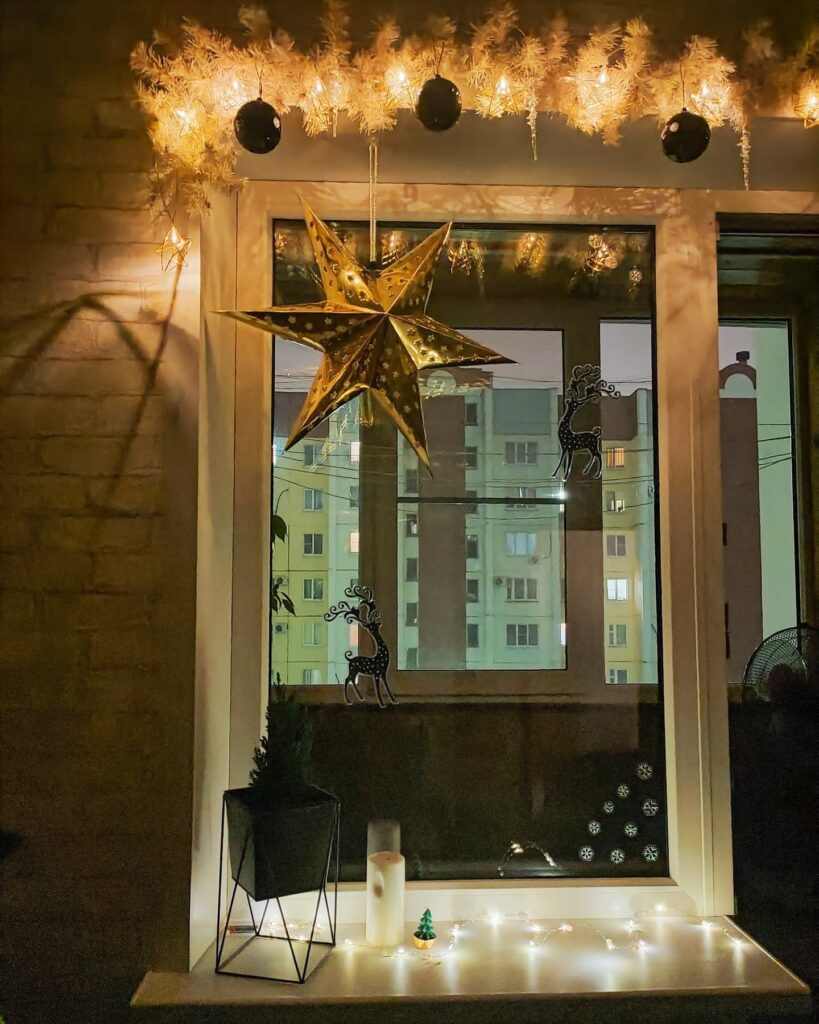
<point>280,828</point>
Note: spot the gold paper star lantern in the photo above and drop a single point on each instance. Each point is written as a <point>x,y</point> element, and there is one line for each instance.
<point>373,332</point>
<point>173,252</point>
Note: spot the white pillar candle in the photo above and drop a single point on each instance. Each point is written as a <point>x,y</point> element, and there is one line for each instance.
<point>385,899</point>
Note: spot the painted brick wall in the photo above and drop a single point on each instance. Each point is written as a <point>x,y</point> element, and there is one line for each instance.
<point>98,396</point>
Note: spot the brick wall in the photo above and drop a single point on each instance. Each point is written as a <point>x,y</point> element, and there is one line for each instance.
<point>98,398</point>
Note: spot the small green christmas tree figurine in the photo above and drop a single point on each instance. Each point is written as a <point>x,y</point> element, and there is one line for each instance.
<point>424,937</point>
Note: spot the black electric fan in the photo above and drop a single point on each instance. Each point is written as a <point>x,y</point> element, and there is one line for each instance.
<point>784,669</point>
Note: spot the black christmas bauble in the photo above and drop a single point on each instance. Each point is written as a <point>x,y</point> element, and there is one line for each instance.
<point>439,104</point>
<point>258,126</point>
<point>685,137</point>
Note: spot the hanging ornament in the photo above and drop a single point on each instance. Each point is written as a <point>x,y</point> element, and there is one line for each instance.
<point>439,104</point>
<point>465,257</point>
<point>600,255</point>
<point>373,332</point>
<point>173,252</point>
<point>258,126</point>
<point>685,137</point>
<point>530,252</point>
<point>635,279</point>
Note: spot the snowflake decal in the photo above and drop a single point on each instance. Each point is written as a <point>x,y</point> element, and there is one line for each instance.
<point>617,856</point>
<point>608,807</point>
<point>586,853</point>
<point>594,828</point>
<point>651,853</point>
<point>644,771</point>
<point>623,791</point>
<point>650,807</point>
<point>630,829</point>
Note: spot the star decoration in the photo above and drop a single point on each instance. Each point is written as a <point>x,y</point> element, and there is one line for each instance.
<point>173,252</point>
<point>373,333</point>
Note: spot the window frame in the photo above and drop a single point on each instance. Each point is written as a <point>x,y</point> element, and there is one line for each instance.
<point>234,515</point>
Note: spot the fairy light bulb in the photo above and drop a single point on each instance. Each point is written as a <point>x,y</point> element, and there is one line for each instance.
<point>503,85</point>
<point>564,927</point>
<point>603,77</point>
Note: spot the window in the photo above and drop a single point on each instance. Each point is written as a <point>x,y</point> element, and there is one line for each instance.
<point>411,481</point>
<point>313,500</point>
<point>615,458</point>
<point>312,635</point>
<point>522,492</point>
<point>311,677</point>
<point>521,634</point>
<point>354,492</point>
<point>355,451</point>
<point>412,613</point>
<point>471,457</point>
<point>518,453</point>
<point>311,454</point>
<point>618,675</point>
<point>617,589</point>
<point>411,572</point>
<point>411,660</point>
<point>313,589</point>
<point>617,634</point>
<point>471,507</point>
<point>472,545</point>
<point>354,542</point>
<point>314,543</point>
<point>521,544</point>
<point>473,636</point>
<point>615,502</point>
<point>411,525</point>
<point>473,590</point>
<point>615,545</point>
<point>520,589</point>
<point>471,414</point>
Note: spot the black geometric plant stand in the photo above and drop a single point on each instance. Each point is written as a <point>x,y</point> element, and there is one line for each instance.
<point>286,958</point>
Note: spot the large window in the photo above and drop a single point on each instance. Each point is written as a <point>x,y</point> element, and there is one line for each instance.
<point>515,597</point>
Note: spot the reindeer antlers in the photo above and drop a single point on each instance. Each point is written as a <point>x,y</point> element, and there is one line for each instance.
<point>355,614</point>
<point>594,386</point>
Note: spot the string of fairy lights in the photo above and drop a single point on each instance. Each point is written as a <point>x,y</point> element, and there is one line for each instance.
<point>204,91</point>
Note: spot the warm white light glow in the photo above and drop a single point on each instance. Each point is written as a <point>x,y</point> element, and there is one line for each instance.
<point>603,77</point>
<point>503,86</point>
<point>354,542</point>
<point>564,927</point>
<point>660,908</point>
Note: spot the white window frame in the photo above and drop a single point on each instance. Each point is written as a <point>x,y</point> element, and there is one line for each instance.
<point>312,553</point>
<point>234,519</point>
<point>312,581</point>
<point>312,506</point>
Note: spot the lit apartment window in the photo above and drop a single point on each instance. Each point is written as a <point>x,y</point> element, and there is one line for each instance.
<point>314,543</point>
<point>473,591</point>
<point>471,457</point>
<point>518,453</point>
<point>412,657</point>
<point>615,545</point>
<point>614,502</point>
<point>313,500</point>
<point>311,454</point>
<point>313,589</point>
<point>519,588</point>
<point>518,494</point>
<point>352,636</point>
<point>411,574</point>
<point>617,634</point>
<point>562,634</point>
<point>471,507</point>
<point>354,542</point>
<point>355,451</point>
<point>311,632</point>
<point>473,636</point>
<point>471,414</point>
<point>472,545</point>
<point>311,676</point>
<point>411,481</point>
<point>520,543</point>
<point>411,525</point>
<point>523,634</point>
<point>615,458</point>
<point>617,589</point>
<point>412,613</point>
<point>618,675</point>
<point>354,496</point>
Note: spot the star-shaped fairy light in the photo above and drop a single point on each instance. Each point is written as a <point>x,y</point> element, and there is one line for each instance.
<point>373,332</point>
<point>173,252</point>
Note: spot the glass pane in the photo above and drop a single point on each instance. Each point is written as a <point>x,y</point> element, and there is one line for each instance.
<point>516,593</point>
<point>757,488</point>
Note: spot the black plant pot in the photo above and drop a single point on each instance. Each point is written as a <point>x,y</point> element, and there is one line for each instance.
<point>280,840</point>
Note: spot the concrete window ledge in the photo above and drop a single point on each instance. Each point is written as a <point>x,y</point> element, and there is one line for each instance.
<point>683,972</point>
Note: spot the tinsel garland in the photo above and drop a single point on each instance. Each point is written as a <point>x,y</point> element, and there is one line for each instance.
<point>192,89</point>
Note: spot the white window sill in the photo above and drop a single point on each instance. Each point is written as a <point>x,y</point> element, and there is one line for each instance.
<point>683,972</point>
